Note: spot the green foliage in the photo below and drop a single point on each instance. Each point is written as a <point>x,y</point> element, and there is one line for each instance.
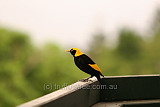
<point>132,55</point>
<point>24,69</point>
<point>14,49</point>
<point>129,44</point>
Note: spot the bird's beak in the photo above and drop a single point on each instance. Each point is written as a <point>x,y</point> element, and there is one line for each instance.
<point>67,50</point>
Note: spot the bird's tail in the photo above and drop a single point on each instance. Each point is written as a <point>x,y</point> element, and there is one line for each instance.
<point>99,79</point>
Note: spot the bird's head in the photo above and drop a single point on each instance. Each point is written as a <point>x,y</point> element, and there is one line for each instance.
<point>75,52</point>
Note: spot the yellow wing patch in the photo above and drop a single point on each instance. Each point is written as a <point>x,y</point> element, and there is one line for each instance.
<point>95,66</point>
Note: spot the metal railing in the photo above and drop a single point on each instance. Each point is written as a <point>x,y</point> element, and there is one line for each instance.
<point>133,88</point>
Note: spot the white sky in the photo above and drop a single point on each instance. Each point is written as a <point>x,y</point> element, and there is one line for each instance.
<point>72,22</point>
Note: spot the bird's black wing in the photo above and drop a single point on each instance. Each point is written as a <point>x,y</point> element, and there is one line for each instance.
<point>89,63</point>
<point>86,59</point>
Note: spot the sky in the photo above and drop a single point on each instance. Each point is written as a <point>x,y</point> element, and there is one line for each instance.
<point>72,23</point>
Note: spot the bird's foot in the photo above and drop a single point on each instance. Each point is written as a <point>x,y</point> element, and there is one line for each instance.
<point>85,80</point>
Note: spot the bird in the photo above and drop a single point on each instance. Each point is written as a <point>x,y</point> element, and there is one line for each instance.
<point>86,64</point>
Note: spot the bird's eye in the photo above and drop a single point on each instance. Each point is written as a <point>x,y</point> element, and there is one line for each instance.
<point>71,50</point>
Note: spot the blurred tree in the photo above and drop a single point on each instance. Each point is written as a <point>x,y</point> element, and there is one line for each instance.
<point>14,50</point>
<point>24,69</point>
<point>156,22</point>
<point>129,44</point>
<point>152,48</point>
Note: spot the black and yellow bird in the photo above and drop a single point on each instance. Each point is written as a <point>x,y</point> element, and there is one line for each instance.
<point>86,64</point>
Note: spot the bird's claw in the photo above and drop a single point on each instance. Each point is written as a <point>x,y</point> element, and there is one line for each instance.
<point>85,80</point>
